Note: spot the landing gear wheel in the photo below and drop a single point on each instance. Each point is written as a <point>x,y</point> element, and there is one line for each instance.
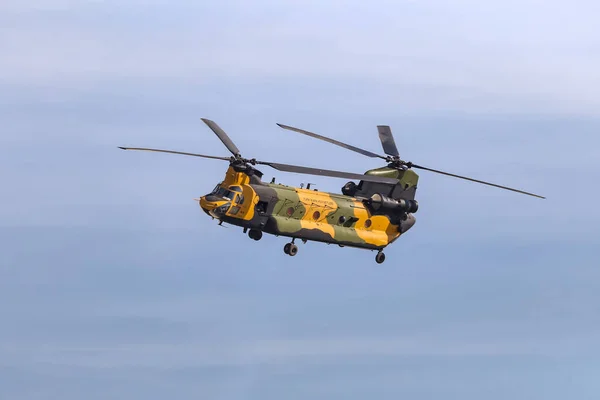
<point>380,257</point>
<point>290,249</point>
<point>255,234</point>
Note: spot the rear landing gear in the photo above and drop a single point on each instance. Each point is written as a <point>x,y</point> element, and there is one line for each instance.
<point>380,257</point>
<point>290,249</point>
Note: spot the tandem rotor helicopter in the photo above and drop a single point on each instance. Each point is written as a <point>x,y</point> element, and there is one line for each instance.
<point>370,214</point>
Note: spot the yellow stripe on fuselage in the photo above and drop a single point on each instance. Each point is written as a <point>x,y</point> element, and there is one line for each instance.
<point>318,205</point>
<point>380,232</point>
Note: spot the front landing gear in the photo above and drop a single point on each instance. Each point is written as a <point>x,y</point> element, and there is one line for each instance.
<point>255,234</point>
<point>290,249</point>
<point>380,257</point>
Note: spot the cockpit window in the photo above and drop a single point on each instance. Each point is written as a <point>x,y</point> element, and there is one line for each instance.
<point>236,188</point>
<point>226,193</point>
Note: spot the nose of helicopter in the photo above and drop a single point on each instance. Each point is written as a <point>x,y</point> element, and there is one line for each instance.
<point>214,206</point>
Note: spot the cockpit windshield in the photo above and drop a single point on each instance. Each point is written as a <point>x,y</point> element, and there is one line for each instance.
<point>222,192</point>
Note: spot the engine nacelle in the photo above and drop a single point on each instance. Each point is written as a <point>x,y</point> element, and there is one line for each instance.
<point>349,189</point>
<point>383,204</point>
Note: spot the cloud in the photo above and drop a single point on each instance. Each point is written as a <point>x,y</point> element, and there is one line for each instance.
<point>512,52</point>
<point>284,351</point>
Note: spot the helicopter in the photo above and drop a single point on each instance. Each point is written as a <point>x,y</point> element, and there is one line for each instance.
<point>370,214</point>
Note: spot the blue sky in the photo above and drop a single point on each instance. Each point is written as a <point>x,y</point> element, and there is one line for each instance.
<point>113,282</point>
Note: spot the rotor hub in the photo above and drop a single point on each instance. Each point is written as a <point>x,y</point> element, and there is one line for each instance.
<point>397,163</point>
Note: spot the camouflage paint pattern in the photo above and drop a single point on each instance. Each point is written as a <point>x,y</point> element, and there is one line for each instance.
<point>242,206</point>
<point>307,214</point>
<point>408,178</point>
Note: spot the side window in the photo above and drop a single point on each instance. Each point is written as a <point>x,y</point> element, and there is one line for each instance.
<point>240,199</point>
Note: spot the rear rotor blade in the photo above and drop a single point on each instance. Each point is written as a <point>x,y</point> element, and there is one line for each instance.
<point>327,172</point>
<point>176,152</point>
<point>387,140</point>
<point>223,136</point>
<point>336,142</point>
<point>475,180</point>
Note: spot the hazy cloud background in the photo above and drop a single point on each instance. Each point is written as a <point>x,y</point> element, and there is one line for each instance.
<point>113,283</point>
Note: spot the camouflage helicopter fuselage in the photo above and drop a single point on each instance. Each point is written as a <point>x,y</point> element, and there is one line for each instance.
<point>368,215</point>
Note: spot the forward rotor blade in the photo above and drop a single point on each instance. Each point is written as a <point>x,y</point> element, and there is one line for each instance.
<point>175,152</point>
<point>387,140</point>
<point>478,181</point>
<point>223,136</point>
<point>336,142</point>
<point>327,172</point>
<point>283,167</point>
